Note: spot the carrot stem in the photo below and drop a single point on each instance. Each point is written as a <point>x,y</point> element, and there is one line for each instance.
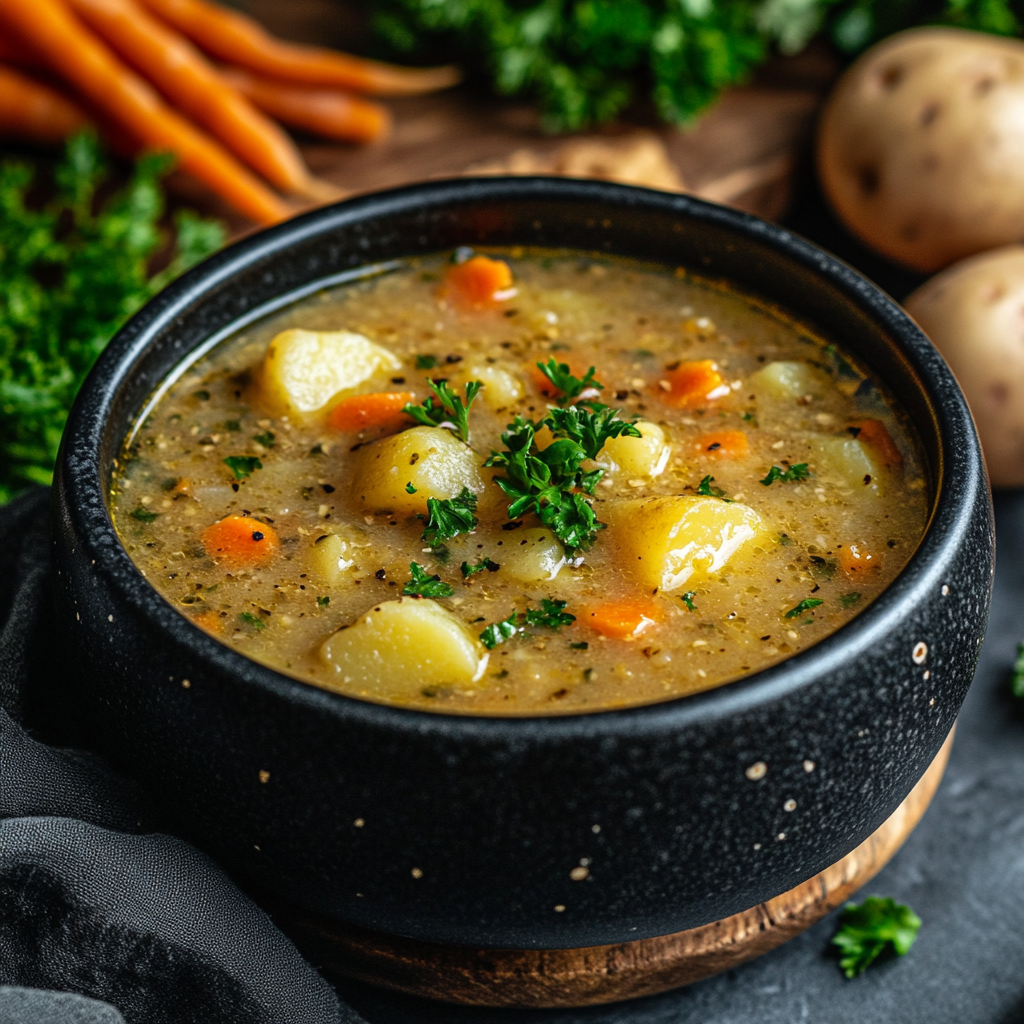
<point>236,39</point>
<point>77,56</point>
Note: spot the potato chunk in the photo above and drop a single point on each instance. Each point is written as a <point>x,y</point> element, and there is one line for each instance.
<point>531,556</point>
<point>437,464</point>
<point>669,542</point>
<point>788,381</point>
<point>331,557</point>
<point>646,455</point>
<point>854,463</point>
<point>501,387</point>
<point>399,648</point>
<point>303,370</point>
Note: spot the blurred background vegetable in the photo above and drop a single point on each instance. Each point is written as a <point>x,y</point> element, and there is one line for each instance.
<point>71,272</point>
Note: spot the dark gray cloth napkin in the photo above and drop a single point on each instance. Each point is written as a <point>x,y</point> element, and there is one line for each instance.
<point>95,901</point>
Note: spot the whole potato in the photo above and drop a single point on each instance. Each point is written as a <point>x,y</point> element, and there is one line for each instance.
<point>974,312</point>
<point>921,146</point>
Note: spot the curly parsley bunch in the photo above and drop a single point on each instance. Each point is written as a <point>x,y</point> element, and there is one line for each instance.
<point>583,61</point>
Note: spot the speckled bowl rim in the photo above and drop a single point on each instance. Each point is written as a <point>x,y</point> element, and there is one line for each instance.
<point>958,472</point>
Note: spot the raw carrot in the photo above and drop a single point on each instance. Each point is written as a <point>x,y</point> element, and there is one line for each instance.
<point>326,112</point>
<point>236,39</point>
<point>621,619</point>
<point>210,621</point>
<point>240,542</point>
<point>35,112</point>
<point>193,85</point>
<point>875,434</point>
<point>857,560</point>
<point>478,282</point>
<point>692,384</point>
<point>82,60</point>
<point>381,410</point>
<point>723,444</point>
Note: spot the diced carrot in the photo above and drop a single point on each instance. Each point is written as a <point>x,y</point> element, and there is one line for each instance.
<point>622,619</point>
<point>381,410</point>
<point>856,560</point>
<point>875,434</point>
<point>692,384</point>
<point>210,621</point>
<point>723,444</point>
<point>240,542</point>
<point>478,282</point>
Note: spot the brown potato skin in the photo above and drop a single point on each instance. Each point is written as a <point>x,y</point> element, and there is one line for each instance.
<point>974,312</point>
<point>920,146</point>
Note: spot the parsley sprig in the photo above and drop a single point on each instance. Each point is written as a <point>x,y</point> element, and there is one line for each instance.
<point>448,517</point>
<point>425,584</point>
<point>550,615</point>
<point>570,387</point>
<point>804,606</point>
<point>872,928</point>
<point>243,465</point>
<point>705,489</point>
<point>445,408</point>
<point>480,566</point>
<point>787,476</point>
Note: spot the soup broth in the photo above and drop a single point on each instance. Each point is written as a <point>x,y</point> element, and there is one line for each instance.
<point>414,489</point>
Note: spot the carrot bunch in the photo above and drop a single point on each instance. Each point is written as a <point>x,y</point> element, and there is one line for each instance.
<point>197,80</point>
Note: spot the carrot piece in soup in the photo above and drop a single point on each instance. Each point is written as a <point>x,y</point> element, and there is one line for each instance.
<point>875,434</point>
<point>210,621</point>
<point>478,282</point>
<point>723,444</point>
<point>856,560</point>
<point>381,410</point>
<point>621,619</point>
<point>692,384</point>
<point>240,542</point>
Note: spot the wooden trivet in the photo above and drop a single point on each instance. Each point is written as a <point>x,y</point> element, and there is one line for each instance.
<point>605,974</point>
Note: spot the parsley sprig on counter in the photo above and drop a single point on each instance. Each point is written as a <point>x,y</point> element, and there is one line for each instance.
<point>552,482</point>
<point>445,408</point>
<point>71,272</point>
<point>875,926</point>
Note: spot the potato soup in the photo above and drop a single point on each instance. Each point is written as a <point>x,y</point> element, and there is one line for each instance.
<point>522,482</point>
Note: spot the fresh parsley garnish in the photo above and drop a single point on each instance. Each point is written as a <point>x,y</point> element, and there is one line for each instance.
<point>570,387</point>
<point>72,270</point>
<point>426,362</point>
<point>687,599</point>
<point>1017,680</point>
<point>143,514</point>
<point>705,489</point>
<point>243,465</point>
<point>323,602</point>
<point>423,584</point>
<point>589,428</point>
<point>409,489</point>
<point>266,439</point>
<point>445,408</point>
<point>482,564</point>
<point>550,615</point>
<point>253,621</point>
<point>849,600</point>
<point>875,926</point>
<point>448,517</point>
<point>787,476</point>
<point>804,606</point>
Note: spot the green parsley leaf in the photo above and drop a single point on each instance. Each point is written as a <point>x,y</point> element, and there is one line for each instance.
<point>1017,680</point>
<point>849,600</point>
<point>242,465</point>
<point>551,615</point>
<point>426,362</point>
<point>570,387</point>
<point>266,439</point>
<point>253,621</point>
<point>687,599</point>
<point>704,488</point>
<point>72,271</point>
<point>409,489</point>
<point>499,632</point>
<point>804,606</point>
<point>143,514</point>
<point>423,584</point>
<point>445,408</point>
<point>482,564</point>
<point>323,602</point>
<point>580,645</point>
<point>448,517</point>
<point>875,926</point>
<point>786,476</point>
<point>589,428</point>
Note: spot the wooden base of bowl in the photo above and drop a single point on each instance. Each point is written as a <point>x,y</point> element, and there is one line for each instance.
<point>605,974</point>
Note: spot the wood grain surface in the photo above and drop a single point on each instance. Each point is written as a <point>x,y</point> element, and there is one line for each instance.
<point>605,974</point>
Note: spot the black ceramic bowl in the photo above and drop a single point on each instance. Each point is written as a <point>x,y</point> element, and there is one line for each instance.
<point>494,813</point>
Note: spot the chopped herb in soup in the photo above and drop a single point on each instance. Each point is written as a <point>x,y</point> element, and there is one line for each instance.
<point>522,482</point>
